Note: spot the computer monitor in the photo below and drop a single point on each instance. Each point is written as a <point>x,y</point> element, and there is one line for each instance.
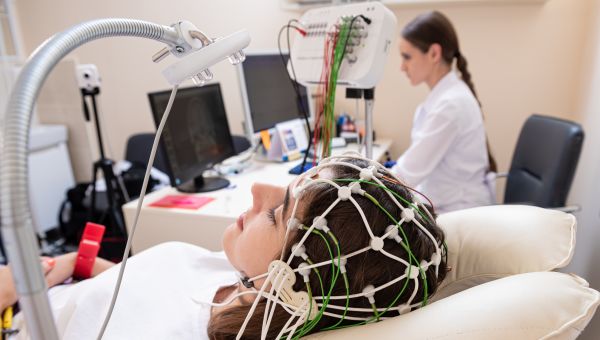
<point>195,137</point>
<point>268,95</point>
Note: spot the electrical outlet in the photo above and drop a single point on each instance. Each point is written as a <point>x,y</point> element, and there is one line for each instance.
<point>88,76</point>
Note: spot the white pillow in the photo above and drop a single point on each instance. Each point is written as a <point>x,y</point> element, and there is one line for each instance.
<point>525,306</point>
<point>487,243</point>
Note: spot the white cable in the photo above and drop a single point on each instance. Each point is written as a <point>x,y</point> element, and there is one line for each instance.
<point>287,324</point>
<point>354,318</point>
<point>254,304</point>
<point>343,297</point>
<point>137,212</point>
<point>268,316</point>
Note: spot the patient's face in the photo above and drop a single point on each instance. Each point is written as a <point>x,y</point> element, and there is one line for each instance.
<point>257,237</point>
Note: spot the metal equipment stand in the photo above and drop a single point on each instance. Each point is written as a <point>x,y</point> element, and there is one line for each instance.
<point>115,193</point>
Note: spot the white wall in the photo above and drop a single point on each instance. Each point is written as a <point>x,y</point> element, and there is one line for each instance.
<point>520,56</point>
<point>586,187</point>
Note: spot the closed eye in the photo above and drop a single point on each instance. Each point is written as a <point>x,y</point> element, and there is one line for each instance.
<point>271,215</point>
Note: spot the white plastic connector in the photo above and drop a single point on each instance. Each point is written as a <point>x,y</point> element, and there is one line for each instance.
<point>369,292</point>
<point>299,250</point>
<point>193,64</point>
<point>356,189</point>
<point>377,243</point>
<point>294,223</point>
<point>366,174</point>
<point>392,233</point>
<point>344,193</point>
<point>404,309</point>
<point>424,265</point>
<point>342,263</point>
<point>414,272</point>
<point>304,271</point>
<point>436,258</point>
<point>408,214</point>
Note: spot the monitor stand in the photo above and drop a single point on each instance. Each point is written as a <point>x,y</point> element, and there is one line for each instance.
<point>203,184</point>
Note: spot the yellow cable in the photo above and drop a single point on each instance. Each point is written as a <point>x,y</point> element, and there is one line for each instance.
<point>7,318</point>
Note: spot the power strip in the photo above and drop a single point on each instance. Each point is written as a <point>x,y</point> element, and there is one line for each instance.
<point>366,52</point>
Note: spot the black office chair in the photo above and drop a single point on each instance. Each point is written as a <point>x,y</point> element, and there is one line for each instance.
<point>544,162</point>
<point>138,151</point>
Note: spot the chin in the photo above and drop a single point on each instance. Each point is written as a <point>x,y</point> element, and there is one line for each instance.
<point>228,239</point>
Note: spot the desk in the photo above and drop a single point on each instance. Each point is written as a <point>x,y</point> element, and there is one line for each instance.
<point>205,226</point>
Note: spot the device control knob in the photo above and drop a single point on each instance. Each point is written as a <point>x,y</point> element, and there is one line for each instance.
<point>202,77</point>
<point>237,58</point>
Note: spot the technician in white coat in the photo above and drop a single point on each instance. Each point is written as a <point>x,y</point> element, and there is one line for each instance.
<point>448,159</point>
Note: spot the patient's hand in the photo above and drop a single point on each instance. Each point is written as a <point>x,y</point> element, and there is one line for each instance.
<point>62,270</point>
<point>8,293</point>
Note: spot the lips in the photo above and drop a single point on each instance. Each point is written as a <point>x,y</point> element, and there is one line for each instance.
<point>240,221</point>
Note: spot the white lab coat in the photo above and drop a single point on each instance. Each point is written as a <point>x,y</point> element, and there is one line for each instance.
<point>447,159</point>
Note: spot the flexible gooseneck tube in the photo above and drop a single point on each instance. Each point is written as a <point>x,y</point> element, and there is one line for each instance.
<point>17,228</point>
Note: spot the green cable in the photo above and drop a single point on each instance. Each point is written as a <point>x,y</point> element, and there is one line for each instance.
<point>412,205</point>
<point>406,246</point>
<point>314,322</point>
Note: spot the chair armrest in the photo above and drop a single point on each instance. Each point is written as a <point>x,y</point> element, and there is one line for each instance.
<point>501,175</point>
<point>568,209</point>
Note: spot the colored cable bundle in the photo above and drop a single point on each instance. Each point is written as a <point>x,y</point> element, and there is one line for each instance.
<point>333,56</point>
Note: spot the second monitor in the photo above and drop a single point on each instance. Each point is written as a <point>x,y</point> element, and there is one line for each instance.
<point>196,136</point>
<point>268,95</point>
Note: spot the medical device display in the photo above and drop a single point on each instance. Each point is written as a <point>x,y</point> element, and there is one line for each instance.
<point>183,39</point>
<point>360,34</point>
<point>345,45</point>
<point>196,137</point>
<point>267,94</point>
<point>305,308</point>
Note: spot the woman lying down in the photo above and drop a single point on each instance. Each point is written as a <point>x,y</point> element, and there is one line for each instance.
<point>345,244</point>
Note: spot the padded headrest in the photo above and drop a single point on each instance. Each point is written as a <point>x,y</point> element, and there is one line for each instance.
<point>487,243</point>
<point>494,248</point>
<point>525,306</point>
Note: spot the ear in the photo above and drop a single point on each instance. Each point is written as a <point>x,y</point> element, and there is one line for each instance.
<point>435,52</point>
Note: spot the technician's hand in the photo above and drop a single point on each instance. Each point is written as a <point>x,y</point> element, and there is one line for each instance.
<point>389,164</point>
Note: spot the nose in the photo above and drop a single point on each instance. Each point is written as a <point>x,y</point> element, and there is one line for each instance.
<point>403,66</point>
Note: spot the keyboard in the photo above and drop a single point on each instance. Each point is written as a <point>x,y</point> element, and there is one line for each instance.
<point>296,170</point>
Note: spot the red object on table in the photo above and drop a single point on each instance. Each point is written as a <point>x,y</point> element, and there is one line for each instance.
<point>182,202</point>
<point>88,250</point>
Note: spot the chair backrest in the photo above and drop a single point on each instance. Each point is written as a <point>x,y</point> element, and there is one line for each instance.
<point>139,146</point>
<point>544,162</point>
<point>138,151</point>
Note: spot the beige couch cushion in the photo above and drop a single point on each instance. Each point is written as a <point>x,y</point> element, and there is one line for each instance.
<point>538,305</point>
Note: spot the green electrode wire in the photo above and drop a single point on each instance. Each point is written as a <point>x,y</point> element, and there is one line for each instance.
<point>305,329</point>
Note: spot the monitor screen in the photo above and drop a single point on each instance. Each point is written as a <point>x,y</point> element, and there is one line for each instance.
<point>267,92</point>
<point>196,135</point>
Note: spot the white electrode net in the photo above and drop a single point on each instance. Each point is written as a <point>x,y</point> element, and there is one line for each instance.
<point>305,309</point>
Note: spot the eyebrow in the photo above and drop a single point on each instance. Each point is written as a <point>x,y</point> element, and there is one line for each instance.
<point>286,202</point>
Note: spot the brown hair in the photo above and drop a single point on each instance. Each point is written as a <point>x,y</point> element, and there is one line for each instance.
<point>368,268</point>
<point>435,28</point>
